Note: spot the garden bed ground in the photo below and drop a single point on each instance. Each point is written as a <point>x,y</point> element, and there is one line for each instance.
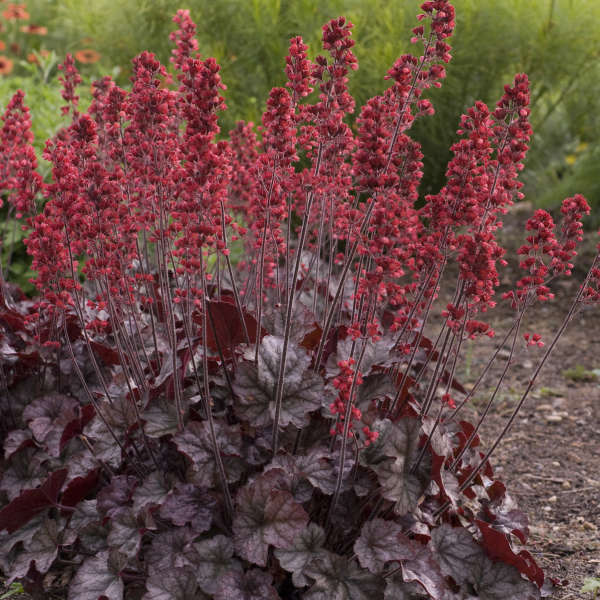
<point>550,460</point>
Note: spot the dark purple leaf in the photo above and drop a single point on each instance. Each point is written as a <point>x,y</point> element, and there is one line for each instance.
<point>377,354</point>
<point>210,559</point>
<point>24,472</point>
<point>395,474</point>
<point>97,579</point>
<point>31,502</point>
<point>104,446</point>
<point>188,503</point>
<point>79,487</point>
<point>16,440</point>
<point>173,584</point>
<point>255,386</point>
<point>375,386</point>
<point>494,580</point>
<point>307,546</point>
<point>41,549</point>
<point>424,569</point>
<point>381,541</point>
<point>194,442</point>
<point>397,589</point>
<point>124,533</point>
<point>337,577</point>
<point>47,418</point>
<point>225,329</point>
<point>169,549</point>
<point>266,515</point>
<point>456,551</point>
<point>253,585</point>
<point>150,494</point>
<point>116,494</point>
<point>85,517</point>
<point>319,466</point>
<point>160,419</point>
<point>77,425</point>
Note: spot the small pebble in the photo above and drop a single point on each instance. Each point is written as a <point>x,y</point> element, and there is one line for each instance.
<point>553,419</point>
<point>566,485</point>
<point>547,508</point>
<point>555,463</point>
<point>552,499</point>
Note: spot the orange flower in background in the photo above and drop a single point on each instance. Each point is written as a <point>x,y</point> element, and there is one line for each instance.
<point>15,12</point>
<point>2,45</point>
<point>35,29</point>
<point>87,56</point>
<point>32,58</point>
<point>6,65</point>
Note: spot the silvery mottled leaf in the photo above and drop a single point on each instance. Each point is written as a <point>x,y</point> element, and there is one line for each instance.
<point>379,353</point>
<point>457,552</point>
<point>116,494</point>
<point>255,386</point>
<point>42,548</point>
<point>211,558</point>
<point>169,549</point>
<point>187,503</point>
<point>377,385</point>
<point>195,442</point>
<point>441,442</point>
<point>394,473</point>
<point>16,440</point>
<point>374,454</point>
<point>97,579</point>
<point>103,443</point>
<point>396,589</point>
<point>124,532</point>
<point>424,569</point>
<point>178,583</point>
<point>160,419</point>
<point>151,493</point>
<point>253,585</point>
<point>381,541</point>
<point>24,472</point>
<point>319,466</point>
<point>266,515</point>
<point>308,546</point>
<point>338,578</point>
<point>495,580</point>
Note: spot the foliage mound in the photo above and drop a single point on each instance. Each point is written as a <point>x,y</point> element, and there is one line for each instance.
<point>224,389</point>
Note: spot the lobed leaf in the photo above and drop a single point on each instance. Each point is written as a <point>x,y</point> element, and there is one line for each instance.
<point>255,386</point>
<point>266,515</point>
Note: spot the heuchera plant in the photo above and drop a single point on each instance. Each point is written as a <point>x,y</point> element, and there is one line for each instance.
<point>225,388</point>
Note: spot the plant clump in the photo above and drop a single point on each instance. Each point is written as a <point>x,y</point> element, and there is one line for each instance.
<point>226,387</point>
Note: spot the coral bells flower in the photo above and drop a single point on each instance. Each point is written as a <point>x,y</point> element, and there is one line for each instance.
<point>18,162</point>
<point>184,38</point>
<point>545,255</point>
<point>70,81</point>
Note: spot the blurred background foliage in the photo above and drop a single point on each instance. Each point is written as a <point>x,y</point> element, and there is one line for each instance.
<point>556,42</point>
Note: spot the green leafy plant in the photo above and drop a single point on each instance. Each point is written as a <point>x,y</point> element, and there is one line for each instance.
<point>591,585</point>
<point>14,589</point>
